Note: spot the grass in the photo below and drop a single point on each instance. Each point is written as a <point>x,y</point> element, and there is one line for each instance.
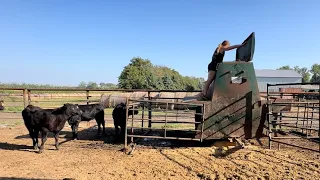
<point>11,123</point>
<point>15,104</point>
<point>14,109</point>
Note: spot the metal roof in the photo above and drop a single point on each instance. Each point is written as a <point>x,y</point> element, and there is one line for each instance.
<point>276,73</point>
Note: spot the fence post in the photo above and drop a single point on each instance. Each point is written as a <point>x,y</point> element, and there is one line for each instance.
<point>25,98</point>
<point>142,116</point>
<point>87,93</point>
<point>149,110</point>
<point>268,118</point>
<point>29,96</point>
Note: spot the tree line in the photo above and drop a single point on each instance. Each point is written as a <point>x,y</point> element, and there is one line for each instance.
<point>308,75</point>
<point>142,74</point>
<point>82,85</point>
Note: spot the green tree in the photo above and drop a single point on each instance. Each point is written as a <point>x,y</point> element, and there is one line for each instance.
<point>136,75</point>
<point>304,72</point>
<point>167,82</point>
<point>111,85</point>
<point>284,68</point>
<point>92,85</point>
<point>177,80</point>
<point>142,74</point>
<point>315,70</point>
<point>102,85</point>
<point>82,84</point>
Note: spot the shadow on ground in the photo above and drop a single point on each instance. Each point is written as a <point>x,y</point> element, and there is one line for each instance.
<point>109,139</point>
<point>8,146</point>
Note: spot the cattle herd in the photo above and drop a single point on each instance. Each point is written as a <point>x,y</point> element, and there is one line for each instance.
<point>38,120</point>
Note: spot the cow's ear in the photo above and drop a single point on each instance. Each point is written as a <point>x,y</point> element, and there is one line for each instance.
<point>64,106</point>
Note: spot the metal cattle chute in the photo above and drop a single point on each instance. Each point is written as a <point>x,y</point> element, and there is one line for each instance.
<point>234,108</point>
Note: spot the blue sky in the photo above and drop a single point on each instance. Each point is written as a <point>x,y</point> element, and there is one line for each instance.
<point>65,42</point>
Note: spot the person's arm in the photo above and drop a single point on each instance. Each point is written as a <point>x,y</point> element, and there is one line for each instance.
<point>232,47</point>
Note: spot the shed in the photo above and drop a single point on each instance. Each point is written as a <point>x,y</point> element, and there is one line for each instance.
<point>271,76</point>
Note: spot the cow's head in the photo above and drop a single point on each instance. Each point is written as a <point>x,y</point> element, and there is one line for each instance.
<point>74,120</point>
<point>71,109</point>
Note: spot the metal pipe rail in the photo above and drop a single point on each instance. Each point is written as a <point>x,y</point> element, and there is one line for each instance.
<point>305,124</point>
<point>164,120</point>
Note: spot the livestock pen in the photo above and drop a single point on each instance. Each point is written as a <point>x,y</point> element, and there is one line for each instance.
<point>15,99</point>
<point>99,158</point>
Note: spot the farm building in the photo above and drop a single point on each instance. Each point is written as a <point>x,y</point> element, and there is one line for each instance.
<point>270,76</point>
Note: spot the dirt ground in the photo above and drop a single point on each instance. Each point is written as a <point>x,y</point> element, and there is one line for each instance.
<point>94,157</point>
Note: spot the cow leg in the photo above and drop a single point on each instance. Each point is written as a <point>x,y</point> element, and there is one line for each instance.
<point>56,137</point>
<point>116,128</point>
<point>101,116</point>
<point>35,135</point>
<point>104,127</point>
<point>32,136</point>
<point>99,127</point>
<point>44,134</point>
<point>75,130</point>
<point>100,121</point>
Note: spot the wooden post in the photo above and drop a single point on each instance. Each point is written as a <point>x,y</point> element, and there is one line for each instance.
<point>142,116</point>
<point>25,98</point>
<point>29,96</point>
<point>87,93</point>
<point>126,129</point>
<point>149,110</point>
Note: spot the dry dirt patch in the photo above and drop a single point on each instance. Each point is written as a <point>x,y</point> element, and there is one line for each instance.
<point>100,158</point>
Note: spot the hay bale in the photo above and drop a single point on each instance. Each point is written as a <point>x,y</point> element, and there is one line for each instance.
<point>165,95</point>
<point>190,94</point>
<point>180,95</point>
<point>180,106</point>
<point>105,99</point>
<point>117,98</point>
<point>154,94</point>
<point>139,95</point>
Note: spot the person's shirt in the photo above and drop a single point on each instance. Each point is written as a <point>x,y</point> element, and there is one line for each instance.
<point>217,57</point>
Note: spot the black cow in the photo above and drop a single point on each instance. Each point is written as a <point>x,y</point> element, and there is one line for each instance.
<point>89,112</point>
<point>119,117</point>
<point>41,120</point>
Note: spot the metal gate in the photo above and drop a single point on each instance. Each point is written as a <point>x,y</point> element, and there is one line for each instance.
<point>293,115</point>
<point>160,119</point>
